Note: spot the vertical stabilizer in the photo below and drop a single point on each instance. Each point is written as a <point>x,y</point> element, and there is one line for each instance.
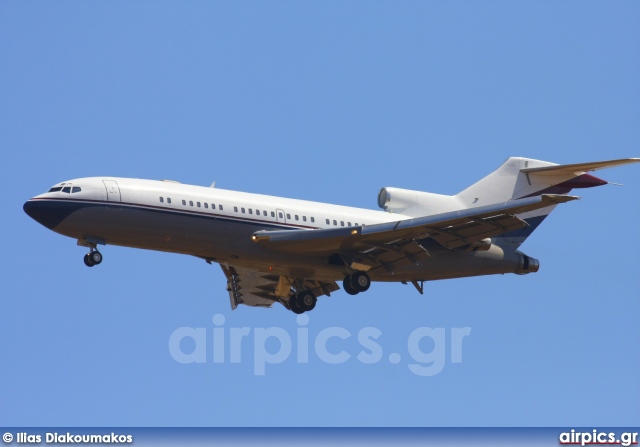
<point>526,177</point>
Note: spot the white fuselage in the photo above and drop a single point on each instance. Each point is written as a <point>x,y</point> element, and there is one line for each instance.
<point>216,225</point>
<point>211,223</point>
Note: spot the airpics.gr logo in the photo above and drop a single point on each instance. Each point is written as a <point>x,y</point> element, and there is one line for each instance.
<point>575,437</point>
<point>332,345</point>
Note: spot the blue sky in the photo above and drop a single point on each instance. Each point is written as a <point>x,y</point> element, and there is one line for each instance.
<point>326,101</point>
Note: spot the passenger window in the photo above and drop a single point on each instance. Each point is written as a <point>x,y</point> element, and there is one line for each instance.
<point>342,223</point>
<point>67,189</point>
<point>198,203</point>
<point>273,214</point>
<point>304,218</point>
<point>190,202</point>
<point>264,213</point>
<point>213,206</point>
<point>75,189</point>
<point>258,212</point>
<point>288,216</point>
<point>161,200</point>
<point>312,219</point>
<point>328,223</point>
<point>297,217</point>
<point>348,224</point>
<point>206,205</point>
<point>221,208</point>
<point>250,212</point>
<point>242,209</point>
<point>235,208</point>
<point>335,223</point>
<point>168,199</point>
<point>184,202</point>
<point>356,224</point>
<point>280,214</point>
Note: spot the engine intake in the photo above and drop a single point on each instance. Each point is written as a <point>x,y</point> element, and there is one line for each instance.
<point>481,245</point>
<point>416,203</point>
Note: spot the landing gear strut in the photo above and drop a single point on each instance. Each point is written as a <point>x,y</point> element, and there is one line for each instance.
<point>94,257</point>
<point>356,283</point>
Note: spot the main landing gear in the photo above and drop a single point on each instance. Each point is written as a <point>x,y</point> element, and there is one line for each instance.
<point>94,257</point>
<point>302,302</point>
<point>356,282</point>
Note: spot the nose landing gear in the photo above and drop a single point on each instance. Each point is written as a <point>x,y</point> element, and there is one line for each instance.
<point>94,257</point>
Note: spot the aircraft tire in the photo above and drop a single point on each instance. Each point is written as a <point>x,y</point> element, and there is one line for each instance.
<point>95,257</point>
<point>346,285</point>
<point>306,301</point>
<point>361,281</point>
<point>87,261</point>
<point>293,305</point>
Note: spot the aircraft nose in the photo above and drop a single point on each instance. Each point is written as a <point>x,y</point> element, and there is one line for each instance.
<point>45,213</point>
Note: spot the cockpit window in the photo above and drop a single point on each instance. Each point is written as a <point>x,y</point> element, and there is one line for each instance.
<point>67,189</point>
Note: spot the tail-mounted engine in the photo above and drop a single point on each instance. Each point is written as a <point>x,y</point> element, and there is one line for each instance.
<point>415,203</point>
<point>527,264</point>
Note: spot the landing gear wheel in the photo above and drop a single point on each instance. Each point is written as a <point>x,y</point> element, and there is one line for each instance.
<point>346,285</point>
<point>361,281</point>
<point>92,258</point>
<point>293,305</point>
<point>87,261</point>
<point>306,301</point>
<point>96,257</point>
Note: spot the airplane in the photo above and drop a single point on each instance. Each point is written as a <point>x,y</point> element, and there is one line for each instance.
<point>274,249</point>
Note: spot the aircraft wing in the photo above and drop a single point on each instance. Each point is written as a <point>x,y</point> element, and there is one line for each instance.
<point>257,289</point>
<point>452,230</point>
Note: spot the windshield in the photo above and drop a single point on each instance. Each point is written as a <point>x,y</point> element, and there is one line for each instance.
<point>66,189</point>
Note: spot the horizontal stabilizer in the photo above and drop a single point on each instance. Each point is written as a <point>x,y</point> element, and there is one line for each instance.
<point>578,168</point>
